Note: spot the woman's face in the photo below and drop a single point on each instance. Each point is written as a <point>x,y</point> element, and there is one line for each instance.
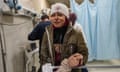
<point>57,19</point>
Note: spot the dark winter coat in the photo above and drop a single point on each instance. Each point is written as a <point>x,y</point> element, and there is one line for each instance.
<point>71,37</point>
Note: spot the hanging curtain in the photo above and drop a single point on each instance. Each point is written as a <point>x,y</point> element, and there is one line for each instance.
<point>107,41</point>
<point>118,21</point>
<point>99,23</point>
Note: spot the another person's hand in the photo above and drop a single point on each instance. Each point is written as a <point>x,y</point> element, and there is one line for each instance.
<point>75,60</point>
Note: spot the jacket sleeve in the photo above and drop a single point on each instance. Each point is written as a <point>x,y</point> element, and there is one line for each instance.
<point>82,47</point>
<point>36,33</point>
<point>44,53</point>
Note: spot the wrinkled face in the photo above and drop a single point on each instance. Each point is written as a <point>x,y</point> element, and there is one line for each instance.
<point>57,19</point>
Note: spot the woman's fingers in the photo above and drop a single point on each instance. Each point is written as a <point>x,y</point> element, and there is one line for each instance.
<point>75,60</point>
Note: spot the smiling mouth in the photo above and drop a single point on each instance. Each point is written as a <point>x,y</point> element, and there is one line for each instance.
<point>56,22</point>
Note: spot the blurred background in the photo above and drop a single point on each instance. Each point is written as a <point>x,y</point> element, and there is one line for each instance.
<point>98,18</point>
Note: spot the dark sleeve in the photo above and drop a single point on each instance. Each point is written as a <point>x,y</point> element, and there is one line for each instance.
<point>36,33</point>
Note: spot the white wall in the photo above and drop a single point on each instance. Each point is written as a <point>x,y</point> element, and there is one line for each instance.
<point>1,62</point>
<point>36,5</point>
<point>27,3</point>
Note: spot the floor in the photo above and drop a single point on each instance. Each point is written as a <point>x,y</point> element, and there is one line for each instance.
<point>111,64</point>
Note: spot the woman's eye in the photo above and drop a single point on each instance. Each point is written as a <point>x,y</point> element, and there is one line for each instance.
<point>52,15</point>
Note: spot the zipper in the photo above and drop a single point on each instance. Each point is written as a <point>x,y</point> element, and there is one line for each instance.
<point>65,40</point>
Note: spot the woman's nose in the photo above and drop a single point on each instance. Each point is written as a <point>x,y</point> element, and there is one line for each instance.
<point>56,16</point>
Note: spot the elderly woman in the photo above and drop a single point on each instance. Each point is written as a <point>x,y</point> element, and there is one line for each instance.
<point>61,42</point>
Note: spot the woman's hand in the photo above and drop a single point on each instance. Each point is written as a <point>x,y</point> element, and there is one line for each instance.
<point>75,60</point>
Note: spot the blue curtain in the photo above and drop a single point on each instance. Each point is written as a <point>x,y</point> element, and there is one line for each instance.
<point>118,21</point>
<point>101,28</point>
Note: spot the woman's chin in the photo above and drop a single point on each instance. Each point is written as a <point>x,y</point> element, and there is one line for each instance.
<point>58,25</point>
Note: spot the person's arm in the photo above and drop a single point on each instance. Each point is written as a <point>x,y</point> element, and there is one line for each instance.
<point>36,33</point>
<point>82,47</point>
<point>44,54</point>
<point>81,56</point>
